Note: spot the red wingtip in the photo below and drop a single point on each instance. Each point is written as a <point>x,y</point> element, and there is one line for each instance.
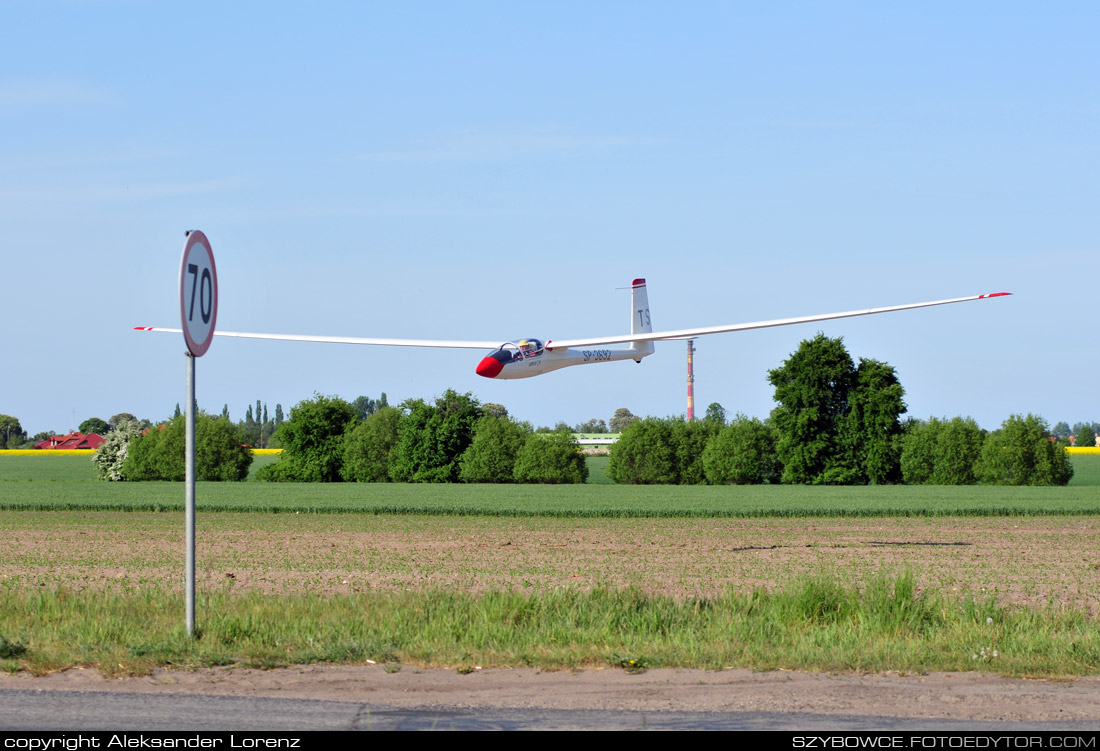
<point>143,328</point>
<point>994,294</point>
<point>638,283</point>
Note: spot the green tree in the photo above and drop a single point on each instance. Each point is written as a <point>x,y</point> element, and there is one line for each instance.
<point>870,430</point>
<point>11,432</point>
<point>364,406</point>
<point>432,437</point>
<point>836,423</point>
<point>621,419</point>
<point>491,456</point>
<point>493,409</point>
<point>551,458</point>
<point>1060,429</point>
<point>644,454</point>
<point>716,413</point>
<point>369,445</point>
<point>95,425</point>
<point>1021,453</point>
<point>1079,426</point>
<point>595,425</point>
<point>1085,437</point>
<point>811,389</point>
<point>267,428</point>
<point>159,453</point>
<point>313,441</point>
<point>249,428</point>
<point>122,417</point>
<point>743,453</point>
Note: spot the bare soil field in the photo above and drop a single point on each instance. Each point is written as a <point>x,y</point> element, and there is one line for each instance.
<point>1033,561</point>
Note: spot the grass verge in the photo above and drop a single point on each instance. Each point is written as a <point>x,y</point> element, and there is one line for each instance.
<point>814,624</point>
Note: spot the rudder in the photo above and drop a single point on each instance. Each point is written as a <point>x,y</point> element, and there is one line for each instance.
<point>640,320</point>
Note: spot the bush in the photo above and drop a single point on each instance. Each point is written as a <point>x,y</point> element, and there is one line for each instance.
<point>689,441</point>
<point>313,442</point>
<point>551,458</point>
<point>491,456</point>
<point>1021,453</point>
<point>644,454</point>
<point>432,437</point>
<point>918,450</point>
<point>369,445</point>
<point>958,447</point>
<point>159,454</point>
<point>111,456</point>
<point>743,453</point>
<point>942,452</point>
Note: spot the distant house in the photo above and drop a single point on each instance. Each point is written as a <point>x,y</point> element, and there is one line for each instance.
<point>74,440</point>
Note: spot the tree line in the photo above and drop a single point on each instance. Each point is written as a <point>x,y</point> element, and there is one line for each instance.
<point>453,439</point>
<point>327,439</point>
<point>836,422</point>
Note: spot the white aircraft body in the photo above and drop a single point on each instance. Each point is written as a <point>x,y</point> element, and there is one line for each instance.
<point>525,358</point>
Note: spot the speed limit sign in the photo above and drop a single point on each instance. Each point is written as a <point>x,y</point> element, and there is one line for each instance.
<point>198,293</point>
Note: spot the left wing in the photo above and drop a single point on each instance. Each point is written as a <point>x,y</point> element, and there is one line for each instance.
<point>444,343</point>
<point>692,333</point>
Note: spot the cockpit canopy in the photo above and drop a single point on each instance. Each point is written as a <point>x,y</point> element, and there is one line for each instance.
<point>522,349</point>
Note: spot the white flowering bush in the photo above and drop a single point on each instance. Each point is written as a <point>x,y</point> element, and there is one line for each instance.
<point>110,457</point>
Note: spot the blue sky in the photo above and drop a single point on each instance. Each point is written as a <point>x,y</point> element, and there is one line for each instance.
<point>481,170</point>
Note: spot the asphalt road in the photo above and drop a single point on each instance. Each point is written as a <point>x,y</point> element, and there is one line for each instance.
<point>59,711</point>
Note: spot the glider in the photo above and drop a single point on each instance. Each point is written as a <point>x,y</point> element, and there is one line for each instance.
<point>525,358</point>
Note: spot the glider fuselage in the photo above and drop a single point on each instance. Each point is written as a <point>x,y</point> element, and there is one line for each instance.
<point>513,360</point>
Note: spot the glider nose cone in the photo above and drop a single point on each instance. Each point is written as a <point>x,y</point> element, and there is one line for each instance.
<point>489,367</point>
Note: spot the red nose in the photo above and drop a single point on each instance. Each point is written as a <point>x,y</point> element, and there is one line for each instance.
<point>489,367</point>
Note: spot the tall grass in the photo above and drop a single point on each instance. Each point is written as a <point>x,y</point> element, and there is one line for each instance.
<point>818,624</point>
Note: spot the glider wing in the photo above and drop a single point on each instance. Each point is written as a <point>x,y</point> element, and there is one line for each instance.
<point>692,333</point>
<point>443,343</point>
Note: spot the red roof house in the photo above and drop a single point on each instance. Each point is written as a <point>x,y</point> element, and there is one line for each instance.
<point>74,440</point>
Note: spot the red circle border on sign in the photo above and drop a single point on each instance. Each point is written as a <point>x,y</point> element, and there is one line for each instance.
<point>195,237</point>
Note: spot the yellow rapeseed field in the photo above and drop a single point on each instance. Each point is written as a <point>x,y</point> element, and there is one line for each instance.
<point>47,452</point>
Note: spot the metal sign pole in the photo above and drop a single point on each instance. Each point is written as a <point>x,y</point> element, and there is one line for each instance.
<point>189,494</point>
<point>198,313</point>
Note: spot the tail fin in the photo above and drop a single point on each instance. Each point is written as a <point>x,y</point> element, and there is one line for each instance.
<point>640,322</point>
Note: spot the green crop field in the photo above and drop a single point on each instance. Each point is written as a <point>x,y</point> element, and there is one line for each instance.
<point>65,483</point>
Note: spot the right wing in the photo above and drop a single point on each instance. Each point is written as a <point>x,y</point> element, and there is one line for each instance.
<point>658,336</point>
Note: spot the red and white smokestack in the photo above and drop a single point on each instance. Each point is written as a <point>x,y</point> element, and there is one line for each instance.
<point>691,382</point>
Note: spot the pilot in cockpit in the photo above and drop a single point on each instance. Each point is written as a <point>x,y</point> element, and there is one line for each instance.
<point>530,347</point>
